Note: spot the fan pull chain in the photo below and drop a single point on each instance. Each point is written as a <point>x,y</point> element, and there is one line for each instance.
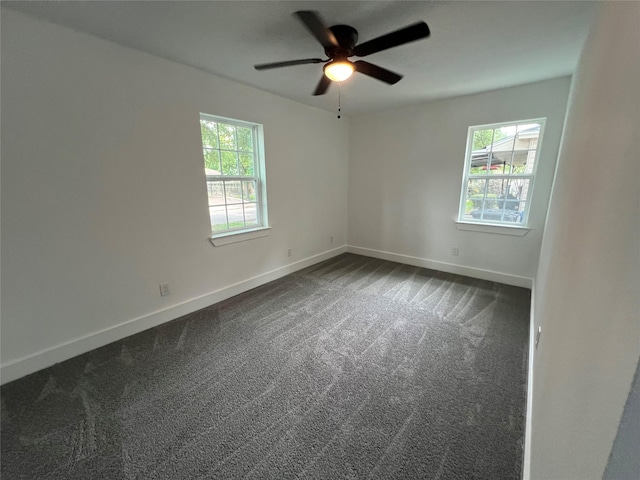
<point>339,108</point>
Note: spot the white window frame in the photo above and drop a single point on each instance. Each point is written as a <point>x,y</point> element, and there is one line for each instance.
<point>247,232</point>
<point>499,226</point>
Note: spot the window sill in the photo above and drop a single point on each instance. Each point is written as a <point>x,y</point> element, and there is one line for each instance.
<point>492,228</point>
<point>235,237</point>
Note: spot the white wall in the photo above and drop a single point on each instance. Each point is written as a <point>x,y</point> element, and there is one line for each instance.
<point>587,289</point>
<point>104,197</point>
<point>405,176</point>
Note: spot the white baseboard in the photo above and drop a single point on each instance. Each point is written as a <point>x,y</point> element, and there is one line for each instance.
<point>45,358</point>
<point>526,461</point>
<point>445,267</point>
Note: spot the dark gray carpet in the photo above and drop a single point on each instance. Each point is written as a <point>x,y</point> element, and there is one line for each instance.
<point>352,368</point>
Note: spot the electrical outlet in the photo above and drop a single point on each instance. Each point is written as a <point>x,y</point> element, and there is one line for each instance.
<point>288,252</point>
<point>164,289</point>
<point>454,251</point>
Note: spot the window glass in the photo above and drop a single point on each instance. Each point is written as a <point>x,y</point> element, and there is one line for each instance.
<point>499,172</point>
<point>234,169</point>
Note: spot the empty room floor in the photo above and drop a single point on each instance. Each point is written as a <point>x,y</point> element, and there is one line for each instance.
<point>352,368</point>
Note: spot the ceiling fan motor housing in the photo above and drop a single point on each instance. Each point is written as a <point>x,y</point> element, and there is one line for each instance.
<point>347,38</point>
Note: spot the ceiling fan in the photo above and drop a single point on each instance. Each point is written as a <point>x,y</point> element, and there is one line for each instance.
<point>339,42</point>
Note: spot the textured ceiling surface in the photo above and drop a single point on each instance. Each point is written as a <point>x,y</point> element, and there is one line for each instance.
<point>474,45</point>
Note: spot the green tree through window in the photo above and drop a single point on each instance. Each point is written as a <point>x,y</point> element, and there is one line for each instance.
<point>484,138</point>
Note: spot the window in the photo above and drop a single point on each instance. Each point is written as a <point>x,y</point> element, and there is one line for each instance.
<point>499,171</point>
<point>234,167</point>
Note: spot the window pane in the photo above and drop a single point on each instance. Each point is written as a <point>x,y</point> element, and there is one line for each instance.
<point>495,190</point>
<point>520,160</point>
<point>227,134</point>
<point>246,164</point>
<point>249,191</point>
<point>236,216</point>
<point>475,195</point>
<point>212,161</point>
<point>229,163</point>
<point>245,139</point>
<point>233,191</point>
<point>508,198</point>
<point>216,193</point>
<point>512,205</point>
<point>479,162</point>
<point>218,217</point>
<point>500,162</point>
<point>512,201</point>
<point>482,139</point>
<point>488,213</point>
<point>503,138</point>
<point>529,130</point>
<point>250,214</point>
<point>508,216</point>
<point>520,188</point>
<point>209,132</point>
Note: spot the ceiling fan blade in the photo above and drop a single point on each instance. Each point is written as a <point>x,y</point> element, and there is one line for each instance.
<point>304,61</point>
<point>377,72</point>
<point>323,85</point>
<point>393,39</point>
<point>317,28</point>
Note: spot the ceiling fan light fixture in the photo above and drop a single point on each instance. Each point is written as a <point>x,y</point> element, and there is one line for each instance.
<point>341,42</point>
<point>339,70</point>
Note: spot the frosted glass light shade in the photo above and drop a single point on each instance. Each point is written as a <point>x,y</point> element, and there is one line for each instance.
<point>338,71</point>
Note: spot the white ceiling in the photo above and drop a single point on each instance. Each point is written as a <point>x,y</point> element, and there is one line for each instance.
<point>474,45</point>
